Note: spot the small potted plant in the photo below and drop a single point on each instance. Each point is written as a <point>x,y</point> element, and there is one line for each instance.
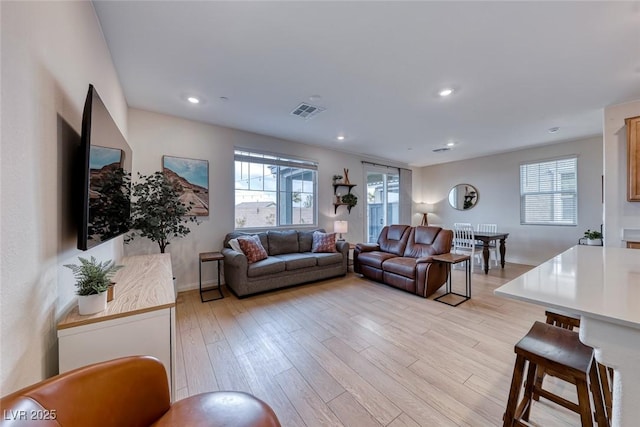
<point>594,238</point>
<point>350,199</point>
<point>337,179</point>
<point>92,281</point>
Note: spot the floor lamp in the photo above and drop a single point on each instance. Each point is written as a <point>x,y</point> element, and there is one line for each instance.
<point>425,221</point>
<point>424,209</point>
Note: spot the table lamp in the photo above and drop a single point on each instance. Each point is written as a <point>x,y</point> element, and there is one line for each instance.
<point>340,227</point>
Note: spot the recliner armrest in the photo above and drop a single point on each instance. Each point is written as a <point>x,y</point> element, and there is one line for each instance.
<point>367,247</point>
<point>424,259</point>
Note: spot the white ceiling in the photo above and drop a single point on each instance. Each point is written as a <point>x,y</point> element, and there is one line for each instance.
<point>519,68</point>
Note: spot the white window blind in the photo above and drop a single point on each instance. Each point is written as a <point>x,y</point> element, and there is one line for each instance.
<point>549,192</point>
<point>274,191</point>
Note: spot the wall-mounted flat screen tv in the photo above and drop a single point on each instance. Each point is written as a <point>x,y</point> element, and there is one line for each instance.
<point>105,176</point>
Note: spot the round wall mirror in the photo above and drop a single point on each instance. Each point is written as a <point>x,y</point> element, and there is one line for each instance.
<point>463,197</point>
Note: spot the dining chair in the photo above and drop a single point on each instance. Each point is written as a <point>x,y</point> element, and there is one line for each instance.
<point>464,240</point>
<point>493,250</point>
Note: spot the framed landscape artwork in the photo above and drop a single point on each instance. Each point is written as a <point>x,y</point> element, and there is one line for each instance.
<point>192,176</point>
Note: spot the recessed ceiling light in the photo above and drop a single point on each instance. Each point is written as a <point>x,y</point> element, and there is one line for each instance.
<point>340,137</point>
<point>554,129</point>
<point>445,92</point>
<point>193,100</point>
<point>450,144</point>
<point>440,150</point>
<point>315,98</point>
<point>224,99</point>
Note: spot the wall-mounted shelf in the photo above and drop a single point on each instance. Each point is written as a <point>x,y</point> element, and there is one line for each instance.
<point>335,207</point>
<point>336,185</point>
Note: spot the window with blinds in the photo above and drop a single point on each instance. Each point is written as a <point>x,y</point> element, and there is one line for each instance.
<point>273,191</point>
<point>549,192</point>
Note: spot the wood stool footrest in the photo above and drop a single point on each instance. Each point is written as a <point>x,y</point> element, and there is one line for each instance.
<point>559,400</point>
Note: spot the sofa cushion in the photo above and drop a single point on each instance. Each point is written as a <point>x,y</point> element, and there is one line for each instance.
<point>298,260</point>
<point>270,265</point>
<point>324,259</point>
<point>421,242</point>
<point>235,245</point>
<point>305,240</point>
<point>252,248</point>
<point>324,242</point>
<point>393,239</point>
<point>374,258</point>
<point>403,266</point>
<point>236,234</point>
<point>282,241</point>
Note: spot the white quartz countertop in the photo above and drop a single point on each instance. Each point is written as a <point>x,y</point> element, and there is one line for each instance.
<point>600,282</point>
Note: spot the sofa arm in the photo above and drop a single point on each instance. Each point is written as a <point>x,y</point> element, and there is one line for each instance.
<point>424,259</point>
<point>342,246</point>
<point>232,257</point>
<point>236,267</point>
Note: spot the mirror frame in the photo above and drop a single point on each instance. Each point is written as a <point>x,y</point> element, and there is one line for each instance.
<point>463,187</point>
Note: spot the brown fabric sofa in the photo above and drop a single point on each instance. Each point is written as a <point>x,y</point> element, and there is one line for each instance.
<point>130,391</point>
<point>402,258</point>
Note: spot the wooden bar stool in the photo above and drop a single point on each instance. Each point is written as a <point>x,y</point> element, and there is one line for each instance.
<point>569,322</point>
<point>561,354</point>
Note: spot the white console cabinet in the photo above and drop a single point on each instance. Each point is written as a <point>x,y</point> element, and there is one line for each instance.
<point>139,321</point>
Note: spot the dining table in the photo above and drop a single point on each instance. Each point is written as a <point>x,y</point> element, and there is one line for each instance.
<point>601,285</point>
<point>487,239</point>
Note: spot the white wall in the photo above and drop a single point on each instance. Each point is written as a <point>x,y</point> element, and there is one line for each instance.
<point>152,135</point>
<point>51,51</point>
<point>497,179</point>
<point>619,213</point>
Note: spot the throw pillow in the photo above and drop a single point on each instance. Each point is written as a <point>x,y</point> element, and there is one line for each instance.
<point>252,248</point>
<point>323,242</point>
<point>235,245</point>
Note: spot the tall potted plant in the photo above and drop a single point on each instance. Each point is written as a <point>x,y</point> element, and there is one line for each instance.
<point>157,212</point>
<point>92,281</point>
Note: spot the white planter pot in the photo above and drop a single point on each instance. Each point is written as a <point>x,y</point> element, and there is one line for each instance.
<point>594,242</point>
<point>90,304</point>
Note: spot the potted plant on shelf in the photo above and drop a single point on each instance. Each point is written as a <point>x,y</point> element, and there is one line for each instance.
<point>92,281</point>
<point>350,199</point>
<point>157,212</point>
<point>594,238</point>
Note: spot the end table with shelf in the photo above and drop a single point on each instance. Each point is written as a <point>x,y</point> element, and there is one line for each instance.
<point>206,257</point>
<point>449,259</point>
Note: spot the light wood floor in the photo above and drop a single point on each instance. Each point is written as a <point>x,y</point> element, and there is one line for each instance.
<point>353,352</point>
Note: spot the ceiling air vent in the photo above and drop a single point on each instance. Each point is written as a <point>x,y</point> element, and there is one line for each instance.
<point>440,150</point>
<point>306,111</point>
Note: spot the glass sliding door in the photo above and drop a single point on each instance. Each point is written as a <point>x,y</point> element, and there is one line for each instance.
<point>383,200</point>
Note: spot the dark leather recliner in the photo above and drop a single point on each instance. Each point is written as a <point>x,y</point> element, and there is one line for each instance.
<point>402,258</point>
<point>130,391</point>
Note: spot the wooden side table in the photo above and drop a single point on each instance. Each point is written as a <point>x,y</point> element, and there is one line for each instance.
<point>451,259</point>
<point>206,257</point>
